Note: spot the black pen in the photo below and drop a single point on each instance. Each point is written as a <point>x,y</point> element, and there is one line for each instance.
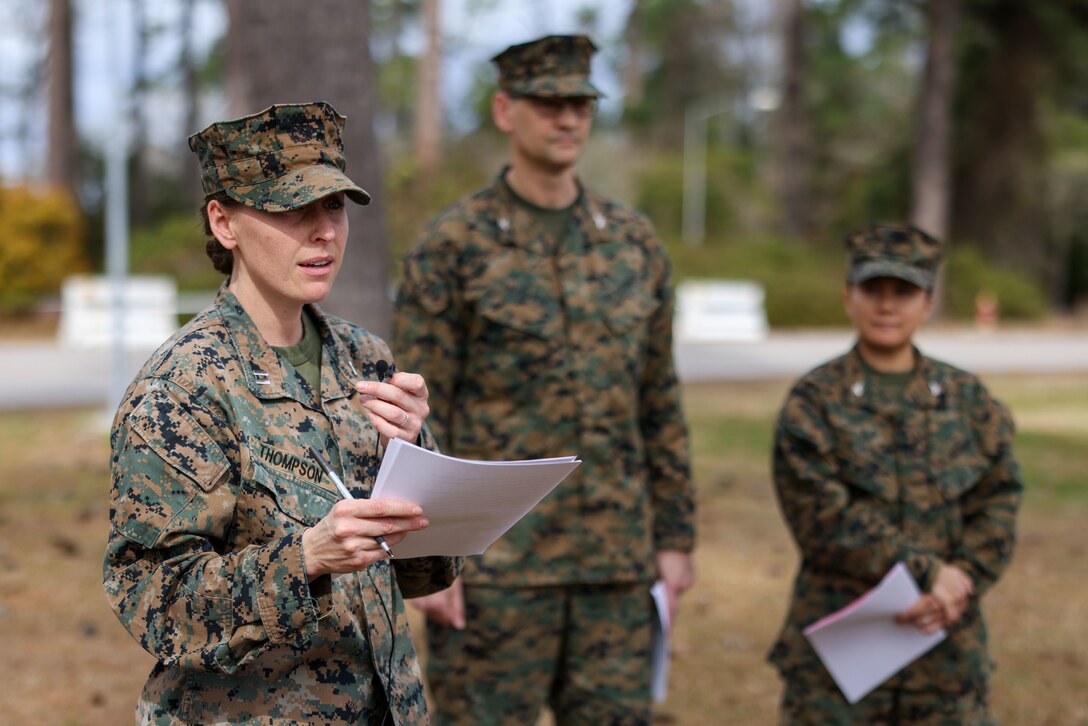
<point>344,492</point>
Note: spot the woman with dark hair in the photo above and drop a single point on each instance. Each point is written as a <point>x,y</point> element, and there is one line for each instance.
<point>883,456</point>
<point>265,595</point>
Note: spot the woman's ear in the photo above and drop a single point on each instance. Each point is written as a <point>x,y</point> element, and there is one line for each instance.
<point>219,218</point>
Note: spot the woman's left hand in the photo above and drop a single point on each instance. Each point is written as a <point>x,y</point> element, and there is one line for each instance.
<point>398,407</point>
<point>925,614</point>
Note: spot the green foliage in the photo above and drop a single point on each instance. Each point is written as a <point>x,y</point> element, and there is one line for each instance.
<point>803,284</point>
<point>860,104</point>
<point>411,200</point>
<point>174,246</point>
<point>42,234</point>
<point>969,274</point>
<point>734,193</point>
<point>661,197</point>
<point>686,65</point>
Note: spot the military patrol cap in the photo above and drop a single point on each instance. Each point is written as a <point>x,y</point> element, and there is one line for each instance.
<point>903,252</point>
<point>281,158</point>
<point>553,66</point>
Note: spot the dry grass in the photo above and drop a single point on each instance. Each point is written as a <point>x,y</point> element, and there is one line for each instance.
<point>67,661</point>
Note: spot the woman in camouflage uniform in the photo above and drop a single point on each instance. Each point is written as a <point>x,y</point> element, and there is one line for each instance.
<point>882,456</point>
<point>232,559</point>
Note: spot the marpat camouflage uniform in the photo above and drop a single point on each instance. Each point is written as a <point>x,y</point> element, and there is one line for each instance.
<point>212,488</point>
<point>531,351</point>
<point>866,480</point>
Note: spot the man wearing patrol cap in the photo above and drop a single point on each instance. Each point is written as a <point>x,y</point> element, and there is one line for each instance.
<point>885,455</point>
<point>231,557</point>
<point>540,313</point>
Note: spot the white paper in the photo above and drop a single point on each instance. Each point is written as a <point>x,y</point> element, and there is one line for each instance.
<point>862,645</point>
<point>469,504</point>
<point>659,664</point>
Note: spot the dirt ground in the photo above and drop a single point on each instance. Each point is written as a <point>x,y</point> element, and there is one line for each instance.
<point>67,661</point>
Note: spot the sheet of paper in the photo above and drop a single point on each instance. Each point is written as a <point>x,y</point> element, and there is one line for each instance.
<point>469,504</point>
<point>659,668</point>
<point>862,645</point>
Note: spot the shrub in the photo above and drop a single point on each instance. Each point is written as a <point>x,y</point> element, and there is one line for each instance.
<point>803,284</point>
<point>175,246</point>
<point>42,233</point>
<point>969,274</point>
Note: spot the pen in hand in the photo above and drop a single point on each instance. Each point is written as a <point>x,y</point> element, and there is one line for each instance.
<point>344,492</point>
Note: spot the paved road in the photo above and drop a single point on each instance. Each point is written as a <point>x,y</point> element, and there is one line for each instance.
<point>42,374</point>
<point>787,355</point>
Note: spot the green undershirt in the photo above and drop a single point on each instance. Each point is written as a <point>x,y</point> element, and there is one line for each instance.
<point>555,222</point>
<point>892,385</point>
<point>305,355</point>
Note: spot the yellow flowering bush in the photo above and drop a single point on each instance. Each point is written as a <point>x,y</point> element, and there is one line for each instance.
<point>41,243</point>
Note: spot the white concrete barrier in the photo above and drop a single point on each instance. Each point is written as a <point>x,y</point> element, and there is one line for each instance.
<point>149,305</point>
<point>716,311</point>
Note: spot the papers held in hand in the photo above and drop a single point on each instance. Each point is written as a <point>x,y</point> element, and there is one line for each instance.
<point>469,504</point>
<point>862,646</point>
<point>659,649</point>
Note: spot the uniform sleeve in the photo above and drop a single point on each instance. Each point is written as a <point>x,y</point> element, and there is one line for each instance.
<point>419,576</point>
<point>172,503</point>
<point>989,508</point>
<point>428,330</point>
<point>834,531</point>
<point>664,431</point>
<point>427,337</point>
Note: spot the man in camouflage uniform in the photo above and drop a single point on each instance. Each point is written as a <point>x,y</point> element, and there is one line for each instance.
<point>883,456</point>
<point>222,555</point>
<point>540,313</point>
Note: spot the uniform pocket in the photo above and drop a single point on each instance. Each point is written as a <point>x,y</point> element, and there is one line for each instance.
<point>866,458</point>
<point>956,460</point>
<point>629,313</point>
<point>517,295</point>
<point>297,500</point>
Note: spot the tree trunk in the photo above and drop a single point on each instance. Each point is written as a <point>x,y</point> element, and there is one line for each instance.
<point>283,51</point>
<point>62,165</point>
<point>932,187</point>
<point>794,152</point>
<point>1001,174</point>
<point>139,200</point>
<point>190,175</point>
<point>634,79</point>
<point>428,111</point>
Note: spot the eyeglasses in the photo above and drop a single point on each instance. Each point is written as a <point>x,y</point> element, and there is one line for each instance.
<point>553,107</point>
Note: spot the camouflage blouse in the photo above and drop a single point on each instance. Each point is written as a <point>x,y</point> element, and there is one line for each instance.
<point>212,488</point>
<point>535,347</point>
<point>866,481</point>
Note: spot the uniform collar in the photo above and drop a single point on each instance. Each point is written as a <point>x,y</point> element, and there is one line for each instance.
<point>517,228</point>
<point>925,390</point>
<point>265,375</point>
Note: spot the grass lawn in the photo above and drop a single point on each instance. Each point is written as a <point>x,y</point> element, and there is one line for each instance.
<point>67,661</point>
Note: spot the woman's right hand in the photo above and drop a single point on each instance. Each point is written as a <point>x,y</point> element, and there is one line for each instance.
<point>952,588</point>
<point>344,540</point>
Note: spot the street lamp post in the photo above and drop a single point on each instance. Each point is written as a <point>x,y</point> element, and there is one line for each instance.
<point>696,116</point>
<point>116,150</point>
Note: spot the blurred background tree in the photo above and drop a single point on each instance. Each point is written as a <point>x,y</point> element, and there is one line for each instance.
<point>968,117</point>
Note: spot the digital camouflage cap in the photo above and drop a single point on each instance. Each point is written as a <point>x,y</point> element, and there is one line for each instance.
<point>903,252</point>
<point>556,65</point>
<point>281,158</point>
